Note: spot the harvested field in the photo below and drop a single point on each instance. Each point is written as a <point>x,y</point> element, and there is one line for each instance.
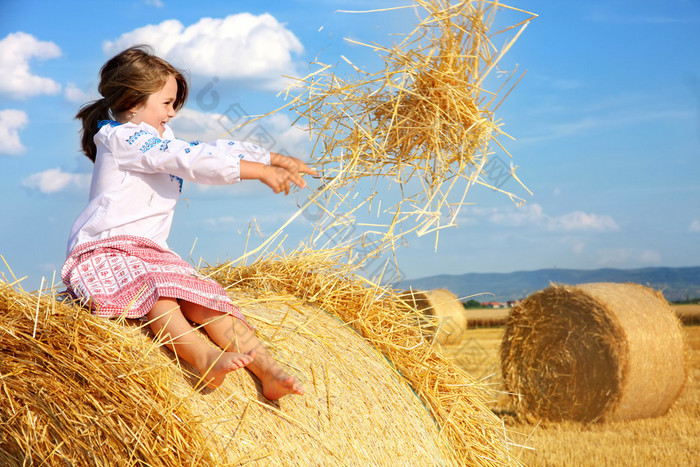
<point>486,317</point>
<point>494,317</point>
<point>477,353</point>
<point>667,440</point>
<point>688,313</point>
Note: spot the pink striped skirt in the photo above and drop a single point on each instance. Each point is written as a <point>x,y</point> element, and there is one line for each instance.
<point>126,275</point>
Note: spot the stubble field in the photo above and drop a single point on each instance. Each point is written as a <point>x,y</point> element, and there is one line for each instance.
<point>671,440</point>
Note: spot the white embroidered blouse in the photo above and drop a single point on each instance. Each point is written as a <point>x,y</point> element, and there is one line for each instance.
<point>137,179</point>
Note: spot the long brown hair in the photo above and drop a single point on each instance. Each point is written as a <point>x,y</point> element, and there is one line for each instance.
<point>126,81</point>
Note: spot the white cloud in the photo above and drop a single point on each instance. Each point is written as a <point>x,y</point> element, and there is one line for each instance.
<point>694,226</point>
<point>193,125</point>
<point>533,214</point>
<point>223,220</point>
<point>266,222</point>
<point>240,46</point>
<point>16,79</point>
<point>579,220</point>
<point>74,94</point>
<point>55,180</point>
<point>514,217</point>
<point>155,3</point>
<point>11,122</point>
<point>224,223</point>
<point>274,132</point>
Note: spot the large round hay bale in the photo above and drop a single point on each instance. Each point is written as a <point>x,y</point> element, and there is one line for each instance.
<point>447,316</point>
<point>80,390</point>
<point>457,402</point>
<point>599,351</point>
<point>357,409</point>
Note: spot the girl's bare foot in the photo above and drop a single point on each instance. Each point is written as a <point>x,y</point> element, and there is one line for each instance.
<point>277,384</point>
<point>221,363</point>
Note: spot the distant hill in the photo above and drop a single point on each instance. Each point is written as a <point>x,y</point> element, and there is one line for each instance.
<point>674,283</point>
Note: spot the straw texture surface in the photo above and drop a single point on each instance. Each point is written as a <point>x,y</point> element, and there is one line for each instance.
<point>77,390</point>
<point>455,400</point>
<point>356,410</point>
<point>599,351</point>
<point>421,123</point>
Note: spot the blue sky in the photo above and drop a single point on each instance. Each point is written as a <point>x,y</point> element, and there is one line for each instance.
<point>606,125</point>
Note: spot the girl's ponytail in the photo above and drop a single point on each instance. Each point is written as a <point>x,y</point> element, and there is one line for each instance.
<point>90,114</point>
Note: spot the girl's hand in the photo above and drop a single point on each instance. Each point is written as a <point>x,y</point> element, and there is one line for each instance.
<point>294,166</point>
<point>277,178</point>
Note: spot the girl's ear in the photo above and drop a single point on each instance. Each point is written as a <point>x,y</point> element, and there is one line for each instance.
<point>130,115</point>
<point>132,112</point>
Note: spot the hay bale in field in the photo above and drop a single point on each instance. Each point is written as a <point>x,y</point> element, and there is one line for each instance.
<point>88,391</point>
<point>599,351</point>
<point>447,316</point>
<point>456,401</point>
<point>357,408</point>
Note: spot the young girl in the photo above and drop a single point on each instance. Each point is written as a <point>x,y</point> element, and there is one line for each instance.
<point>118,261</point>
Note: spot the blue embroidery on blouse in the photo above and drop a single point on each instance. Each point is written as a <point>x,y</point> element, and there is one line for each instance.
<point>152,141</point>
<point>231,143</point>
<point>111,123</point>
<point>187,150</point>
<point>179,181</point>
<point>132,139</point>
<point>149,143</point>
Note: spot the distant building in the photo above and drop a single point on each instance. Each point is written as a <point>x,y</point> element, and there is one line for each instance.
<point>506,304</point>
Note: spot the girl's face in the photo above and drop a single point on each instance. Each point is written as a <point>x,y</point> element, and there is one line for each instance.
<point>158,109</point>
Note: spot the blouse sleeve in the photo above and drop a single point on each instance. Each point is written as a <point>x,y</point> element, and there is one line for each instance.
<point>135,148</point>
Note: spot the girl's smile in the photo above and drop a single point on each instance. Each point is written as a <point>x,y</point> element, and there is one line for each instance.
<point>159,108</point>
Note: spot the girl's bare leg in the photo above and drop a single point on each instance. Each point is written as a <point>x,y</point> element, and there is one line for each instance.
<point>233,335</point>
<point>170,327</point>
